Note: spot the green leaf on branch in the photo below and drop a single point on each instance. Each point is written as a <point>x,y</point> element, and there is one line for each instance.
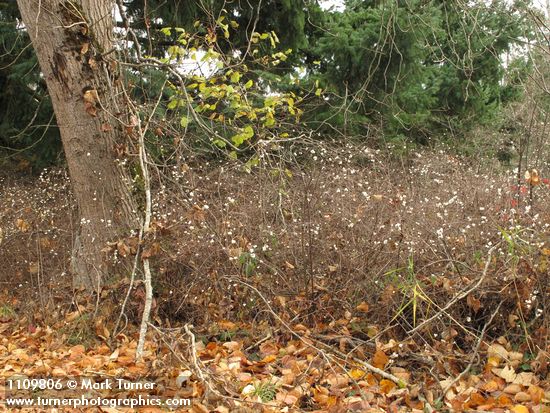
<point>235,77</point>
<point>173,104</point>
<point>245,135</point>
<point>220,143</point>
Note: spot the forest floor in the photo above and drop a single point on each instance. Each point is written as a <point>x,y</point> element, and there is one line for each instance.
<point>353,283</point>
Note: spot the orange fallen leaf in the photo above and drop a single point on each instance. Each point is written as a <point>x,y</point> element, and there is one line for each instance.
<point>476,399</point>
<point>488,405</point>
<point>286,398</point>
<point>269,348</point>
<point>77,351</point>
<point>364,307</point>
<point>522,397</point>
<point>244,377</point>
<point>503,401</point>
<point>536,393</point>
<point>227,325</point>
<point>126,360</point>
<point>269,359</point>
<point>490,386</point>
<point>386,386</point>
<point>512,389</point>
<point>337,381</point>
<point>232,345</point>
<point>380,359</point>
<point>59,372</point>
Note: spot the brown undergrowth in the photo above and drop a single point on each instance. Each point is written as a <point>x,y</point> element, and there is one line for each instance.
<point>351,231</point>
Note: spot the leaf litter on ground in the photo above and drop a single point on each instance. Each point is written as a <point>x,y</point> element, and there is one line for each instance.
<point>280,372</point>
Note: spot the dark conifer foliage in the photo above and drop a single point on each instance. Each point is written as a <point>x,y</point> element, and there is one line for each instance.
<point>419,69</point>
<point>28,131</point>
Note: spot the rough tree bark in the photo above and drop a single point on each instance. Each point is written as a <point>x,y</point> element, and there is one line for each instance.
<point>73,41</point>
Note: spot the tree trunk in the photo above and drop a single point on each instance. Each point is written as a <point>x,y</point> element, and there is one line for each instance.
<point>72,39</point>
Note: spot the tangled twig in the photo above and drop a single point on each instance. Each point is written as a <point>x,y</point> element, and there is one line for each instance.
<point>459,296</point>
<point>474,354</point>
<point>341,355</point>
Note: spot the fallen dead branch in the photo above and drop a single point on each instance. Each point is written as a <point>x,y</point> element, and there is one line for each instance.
<point>307,342</point>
